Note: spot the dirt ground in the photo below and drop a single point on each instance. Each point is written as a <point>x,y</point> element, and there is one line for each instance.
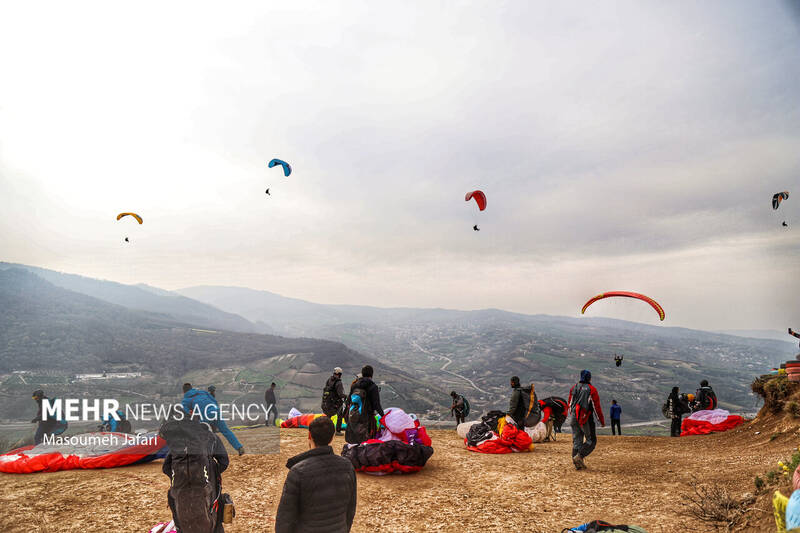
<point>633,480</point>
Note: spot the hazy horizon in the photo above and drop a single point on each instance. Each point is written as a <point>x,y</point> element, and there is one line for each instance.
<point>628,149</point>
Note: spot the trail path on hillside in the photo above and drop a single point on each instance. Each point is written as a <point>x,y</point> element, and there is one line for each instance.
<point>630,480</point>
<point>444,366</point>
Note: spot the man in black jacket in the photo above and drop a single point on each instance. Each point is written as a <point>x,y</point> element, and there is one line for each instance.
<point>333,398</point>
<point>272,403</point>
<point>373,400</point>
<point>44,427</point>
<point>319,495</point>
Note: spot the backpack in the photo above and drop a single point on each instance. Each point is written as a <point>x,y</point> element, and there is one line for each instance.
<point>533,413</point>
<point>581,408</point>
<point>665,409</point>
<point>331,402</point>
<point>360,422</point>
<point>194,484</point>
<point>466,407</point>
<point>124,426</point>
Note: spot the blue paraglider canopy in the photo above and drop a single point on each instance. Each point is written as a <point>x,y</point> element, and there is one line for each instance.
<point>287,169</point>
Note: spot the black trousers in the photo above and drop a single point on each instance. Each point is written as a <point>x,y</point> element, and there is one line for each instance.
<point>675,427</point>
<point>615,422</point>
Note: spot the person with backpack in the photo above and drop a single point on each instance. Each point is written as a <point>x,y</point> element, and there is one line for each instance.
<point>362,404</point>
<point>319,494</point>
<point>49,427</point>
<point>333,398</point>
<point>705,397</point>
<point>123,425</point>
<point>194,465</point>
<point>272,403</point>
<point>200,401</point>
<point>523,407</point>
<point>615,412</point>
<point>584,404</point>
<point>459,407</point>
<point>675,409</point>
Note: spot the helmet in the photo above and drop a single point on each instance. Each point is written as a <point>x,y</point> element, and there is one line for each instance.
<point>212,388</point>
<point>337,370</point>
<point>38,393</point>
<point>690,396</point>
<point>453,393</point>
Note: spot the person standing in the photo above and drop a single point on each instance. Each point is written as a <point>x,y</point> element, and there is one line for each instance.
<point>676,408</point>
<point>319,494</point>
<point>584,405</point>
<point>272,403</point>
<point>457,408</point>
<point>333,397</point>
<point>202,403</point>
<point>363,403</point>
<point>615,412</point>
<point>706,398</point>
<point>44,427</point>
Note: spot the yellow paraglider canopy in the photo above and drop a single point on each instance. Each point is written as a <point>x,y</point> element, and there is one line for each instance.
<point>134,215</point>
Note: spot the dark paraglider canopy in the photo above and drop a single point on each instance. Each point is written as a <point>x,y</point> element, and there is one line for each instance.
<point>287,168</point>
<point>476,228</point>
<point>126,239</point>
<point>778,197</point>
<point>784,224</point>
<point>267,191</point>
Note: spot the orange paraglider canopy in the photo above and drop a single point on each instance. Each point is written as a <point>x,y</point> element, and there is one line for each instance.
<point>479,198</point>
<point>654,304</point>
<point>134,215</point>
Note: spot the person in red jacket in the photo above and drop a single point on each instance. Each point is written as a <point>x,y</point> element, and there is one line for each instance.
<point>584,404</point>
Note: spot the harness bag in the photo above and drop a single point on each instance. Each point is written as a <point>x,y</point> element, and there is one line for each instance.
<point>331,402</point>
<point>581,408</point>
<point>533,412</point>
<point>466,406</point>
<point>665,410</point>
<point>360,422</point>
<point>194,486</point>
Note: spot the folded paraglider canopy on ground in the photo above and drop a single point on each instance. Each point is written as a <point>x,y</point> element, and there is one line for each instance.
<point>302,421</point>
<point>709,421</point>
<point>401,447</point>
<point>85,451</point>
<point>493,434</point>
<point>597,526</point>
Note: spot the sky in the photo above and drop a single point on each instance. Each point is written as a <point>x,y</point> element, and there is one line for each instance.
<point>627,147</point>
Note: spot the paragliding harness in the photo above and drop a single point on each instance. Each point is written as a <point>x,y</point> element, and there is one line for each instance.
<point>195,494</point>
<point>706,398</point>
<point>485,428</point>
<point>331,402</point>
<point>360,422</point>
<point>531,404</point>
<point>581,407</point>
<point>466,407</point>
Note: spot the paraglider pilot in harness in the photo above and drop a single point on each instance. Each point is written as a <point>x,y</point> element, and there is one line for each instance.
<point>618,360</point>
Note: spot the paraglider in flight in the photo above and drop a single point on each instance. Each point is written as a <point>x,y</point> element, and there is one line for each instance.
<point>267,191</point>
<point>134,215</point>
<point>126,239</point>
<point>479,197</point>
<point>794,334</point>
<point>626,294</point>
<point>618,360</point>
<point>476,228</point>
<point>287,168</point>
<point>784,224</point>
<point>778,197</point>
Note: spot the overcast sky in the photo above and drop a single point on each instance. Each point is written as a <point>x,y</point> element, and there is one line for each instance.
<point>629,146</point>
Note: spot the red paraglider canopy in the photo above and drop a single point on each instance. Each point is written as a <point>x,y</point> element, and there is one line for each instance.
<point>479,197</point>
<point>653,303</point>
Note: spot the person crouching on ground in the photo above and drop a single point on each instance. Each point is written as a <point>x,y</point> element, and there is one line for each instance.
<point>584,404</point>
<point>319,494</point>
